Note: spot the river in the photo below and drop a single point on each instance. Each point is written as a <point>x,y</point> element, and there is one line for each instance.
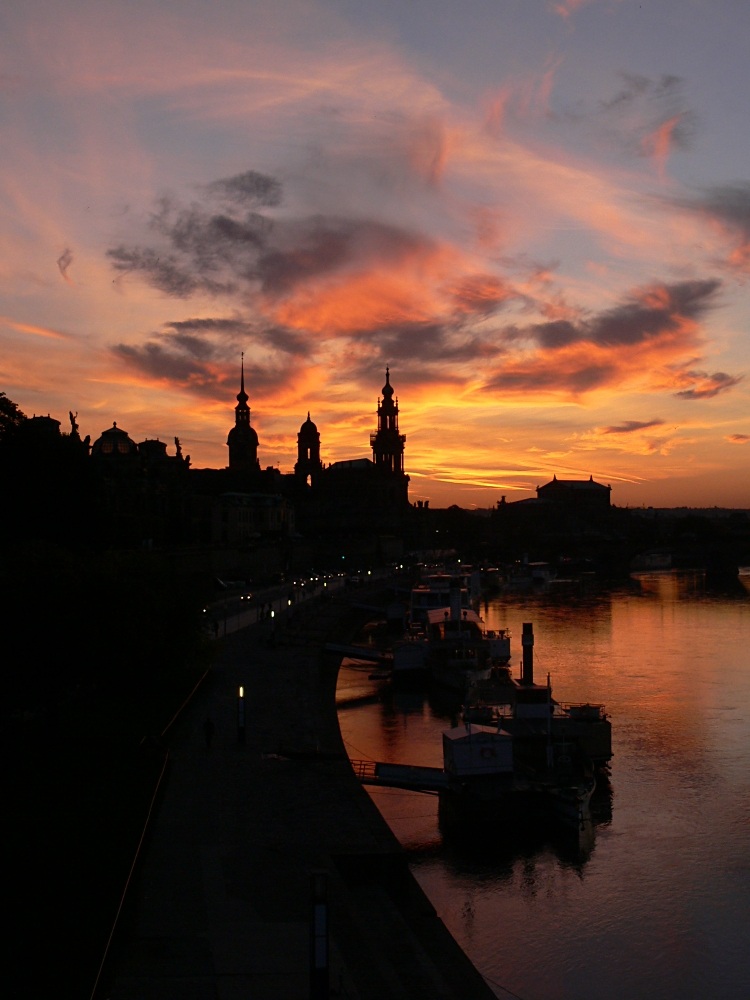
<point>655,903</point>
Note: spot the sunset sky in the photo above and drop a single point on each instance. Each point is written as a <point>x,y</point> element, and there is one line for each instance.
<point>537,213</point>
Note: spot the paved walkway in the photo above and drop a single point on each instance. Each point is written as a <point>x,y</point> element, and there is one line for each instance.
<point>221,908</point>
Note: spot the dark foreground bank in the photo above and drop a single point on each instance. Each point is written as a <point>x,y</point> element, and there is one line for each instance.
<point>256,810</point>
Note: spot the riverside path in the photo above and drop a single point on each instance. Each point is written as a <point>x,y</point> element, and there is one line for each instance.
<point>251,823</point>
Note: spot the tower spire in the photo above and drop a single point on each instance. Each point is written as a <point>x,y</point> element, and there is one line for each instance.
<point>387,443</point>
<point>242,396</point>
<point>243,440</point>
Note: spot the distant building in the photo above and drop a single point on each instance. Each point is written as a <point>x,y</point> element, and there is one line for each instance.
<point>142,492</point>
<point>575,493</point>
<point>140,495</point>
<point>362,495</point>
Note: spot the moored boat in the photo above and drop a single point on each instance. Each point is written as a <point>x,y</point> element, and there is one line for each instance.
<point>526,751</point>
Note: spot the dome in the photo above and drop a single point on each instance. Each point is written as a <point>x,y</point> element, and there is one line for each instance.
<point>308,427</point>
<point>114,443</point>
<point>242,435</point>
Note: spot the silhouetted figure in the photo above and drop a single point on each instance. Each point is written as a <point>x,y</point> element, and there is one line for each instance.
<point>208,732</point>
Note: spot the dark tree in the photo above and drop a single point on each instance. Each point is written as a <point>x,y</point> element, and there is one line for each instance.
<point>11,417</point>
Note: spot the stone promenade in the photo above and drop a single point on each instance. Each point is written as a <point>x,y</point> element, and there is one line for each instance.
<point>222,901</point>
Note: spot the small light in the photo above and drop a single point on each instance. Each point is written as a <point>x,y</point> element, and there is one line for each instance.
<point>242,691</point>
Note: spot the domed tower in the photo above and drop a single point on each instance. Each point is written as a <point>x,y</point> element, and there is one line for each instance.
<point>242,440</point>
<point>308,463</point>
<point>114,444</point>
<point>387,444</point>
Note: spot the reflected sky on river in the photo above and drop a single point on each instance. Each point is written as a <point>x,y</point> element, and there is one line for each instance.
<point>654,903</point>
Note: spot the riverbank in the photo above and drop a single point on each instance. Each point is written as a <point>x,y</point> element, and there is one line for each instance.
<point>222,901</point>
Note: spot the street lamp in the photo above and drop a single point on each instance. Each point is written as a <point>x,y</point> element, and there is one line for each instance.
<point>241,715</point>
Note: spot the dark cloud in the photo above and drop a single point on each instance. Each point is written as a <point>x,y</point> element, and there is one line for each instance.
<point>728,204</point>
<point>64,261</point>
<point>189,352</point>
<point>318,246</point>
<point>643,106</point>
<point>631,425</point>
<point>544,374</point>
<point>738,438</point>
<point>250,188</point>
<point>240,251</point>
<point>636,88</point>
<point>164,271</point>
<point>201,249</point>
<point>159,362</point>
<point>558,333</point>
<point>642,318</point>
<point>707,386</point>
<point>562,362</point>
<point>321,246</point>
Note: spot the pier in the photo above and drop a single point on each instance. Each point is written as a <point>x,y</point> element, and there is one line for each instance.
<point>408,776</point>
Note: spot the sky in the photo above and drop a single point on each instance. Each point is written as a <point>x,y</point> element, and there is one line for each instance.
<point>536,213</point>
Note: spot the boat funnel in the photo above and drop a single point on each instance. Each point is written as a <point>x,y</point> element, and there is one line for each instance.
<point>527,644</point>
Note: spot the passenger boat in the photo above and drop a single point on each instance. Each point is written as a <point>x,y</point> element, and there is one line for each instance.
<point>445,640</point>
<point>460,651</point>
<point>526,753</point>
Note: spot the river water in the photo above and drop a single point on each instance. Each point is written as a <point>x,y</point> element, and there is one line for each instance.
<point>654,901</point>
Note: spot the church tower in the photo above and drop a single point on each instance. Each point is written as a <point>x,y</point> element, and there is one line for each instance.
<point>308,463</point>
<point>387,444</point>
<point>243,439</point>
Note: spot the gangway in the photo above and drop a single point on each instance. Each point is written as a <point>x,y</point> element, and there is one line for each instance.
<point>408,776</point>
<point>359,652</point>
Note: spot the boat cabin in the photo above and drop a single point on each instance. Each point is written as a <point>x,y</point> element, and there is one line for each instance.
<point>472,750</point>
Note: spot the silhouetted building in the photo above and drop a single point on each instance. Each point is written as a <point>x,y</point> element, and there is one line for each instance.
<point>386,443</point>
<point>308,466</point>
<point>243,438</point>
<point>575,493</point>
<point>142,492</point>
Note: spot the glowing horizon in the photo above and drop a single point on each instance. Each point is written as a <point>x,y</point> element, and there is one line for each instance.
<point>537,215</point>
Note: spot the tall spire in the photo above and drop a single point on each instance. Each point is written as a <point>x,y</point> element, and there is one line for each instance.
<point>242,440</point>
<point>242,396</point>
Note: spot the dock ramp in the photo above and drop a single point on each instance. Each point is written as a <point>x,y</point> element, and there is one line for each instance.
<point>358,652</point>
<point>408,776</point>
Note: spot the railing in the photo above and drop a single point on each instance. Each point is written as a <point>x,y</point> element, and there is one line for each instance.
<point>365,769</point>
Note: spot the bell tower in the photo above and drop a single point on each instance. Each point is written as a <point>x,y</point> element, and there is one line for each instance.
<point>387,444</point>
<point>308,463</point>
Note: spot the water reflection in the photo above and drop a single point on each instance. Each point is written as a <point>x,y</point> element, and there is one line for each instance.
<point>655,903</point>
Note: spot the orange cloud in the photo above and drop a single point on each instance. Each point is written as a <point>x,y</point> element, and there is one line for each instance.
<point>37,331</point>
<point>566,8</point>
<point>421,285</point>
<point>659,143</point>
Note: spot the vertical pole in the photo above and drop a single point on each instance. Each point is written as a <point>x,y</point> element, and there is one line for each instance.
<point>319,972</point>
<point>241,715</point>
<point>527,643</point>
